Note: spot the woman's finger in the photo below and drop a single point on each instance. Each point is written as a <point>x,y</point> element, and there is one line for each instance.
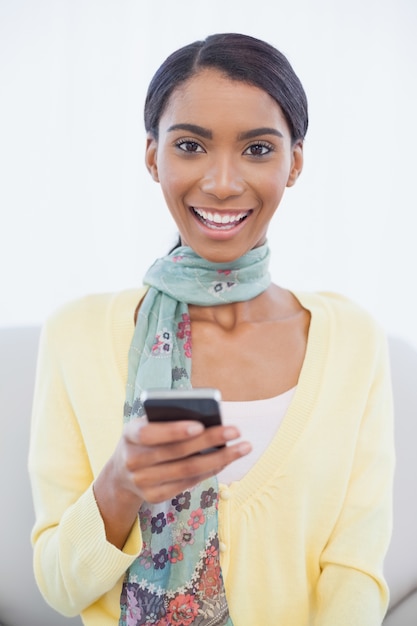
<point>161,482</point>
<point>139,431</point>
<point>177,447</point>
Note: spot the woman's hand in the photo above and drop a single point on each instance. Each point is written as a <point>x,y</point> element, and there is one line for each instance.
<point>155,462</point>
<point>161,460</point>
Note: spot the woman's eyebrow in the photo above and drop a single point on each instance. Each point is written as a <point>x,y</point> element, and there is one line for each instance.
<point>193,128</point>
<point>256,132</point>
<point>207,134</point>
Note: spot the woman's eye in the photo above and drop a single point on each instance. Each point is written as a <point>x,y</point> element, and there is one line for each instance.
<point>186,145</point>
<point>258,149</point>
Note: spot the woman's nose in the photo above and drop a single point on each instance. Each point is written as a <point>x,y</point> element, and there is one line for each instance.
<point>222,178</point>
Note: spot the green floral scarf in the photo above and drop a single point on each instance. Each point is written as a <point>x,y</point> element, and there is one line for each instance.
<point>177,578</point>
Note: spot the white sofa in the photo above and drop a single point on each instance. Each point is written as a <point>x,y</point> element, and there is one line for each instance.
<point>20,601</point>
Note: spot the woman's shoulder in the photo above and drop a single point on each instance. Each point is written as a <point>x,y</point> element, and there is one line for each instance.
<point>344,314</point>
<point>94,304</point>
<point>93,314</point>
<point>344,332</point>
<point>334,303</point>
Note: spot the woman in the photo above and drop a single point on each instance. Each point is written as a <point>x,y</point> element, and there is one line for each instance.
<point>289,522</point>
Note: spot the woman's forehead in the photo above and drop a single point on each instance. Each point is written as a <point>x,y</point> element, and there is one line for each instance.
<point>211,93</point>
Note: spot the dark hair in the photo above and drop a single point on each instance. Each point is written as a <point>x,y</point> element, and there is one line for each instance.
<point>240,57</point>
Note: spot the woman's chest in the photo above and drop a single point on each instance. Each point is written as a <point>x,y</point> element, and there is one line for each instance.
<point>250,362</point>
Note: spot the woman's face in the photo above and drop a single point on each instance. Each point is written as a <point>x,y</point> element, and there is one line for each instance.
<point>223,158</point>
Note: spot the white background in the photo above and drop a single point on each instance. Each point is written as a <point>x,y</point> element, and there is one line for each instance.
<point>79,212</point>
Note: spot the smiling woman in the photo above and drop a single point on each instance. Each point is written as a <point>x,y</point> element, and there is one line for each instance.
<point>287,520</point>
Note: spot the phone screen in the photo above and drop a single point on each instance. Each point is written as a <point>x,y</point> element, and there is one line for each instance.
<point>167,405</point>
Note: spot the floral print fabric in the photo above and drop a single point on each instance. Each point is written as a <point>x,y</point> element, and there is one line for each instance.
<point>179,583</point>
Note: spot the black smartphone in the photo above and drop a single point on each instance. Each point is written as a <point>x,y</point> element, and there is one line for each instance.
<point>168,405</point>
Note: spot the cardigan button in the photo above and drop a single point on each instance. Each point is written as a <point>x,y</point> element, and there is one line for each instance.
<point>222,546</point>
<point>225,494</point>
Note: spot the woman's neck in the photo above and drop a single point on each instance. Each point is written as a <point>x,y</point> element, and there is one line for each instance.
<point>273,304</point>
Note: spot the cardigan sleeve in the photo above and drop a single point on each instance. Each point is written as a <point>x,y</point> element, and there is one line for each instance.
<point>351,588</point>
<point>74,565</point>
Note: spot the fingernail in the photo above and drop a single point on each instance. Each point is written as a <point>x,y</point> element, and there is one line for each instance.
<point>244,447</point>
<point>230,433</point>
<point>195,428</point>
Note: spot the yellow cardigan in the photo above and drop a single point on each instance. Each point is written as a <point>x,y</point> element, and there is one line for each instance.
<point>303,534</point>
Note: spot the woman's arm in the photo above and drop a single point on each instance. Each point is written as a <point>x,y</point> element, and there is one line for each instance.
<point>86,533</point>
<point>352,589</point>
<point>74,564</point>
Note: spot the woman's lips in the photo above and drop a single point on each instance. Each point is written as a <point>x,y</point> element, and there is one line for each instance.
<point>224,220</point>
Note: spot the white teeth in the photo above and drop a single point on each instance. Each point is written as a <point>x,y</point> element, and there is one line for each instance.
<point>218,218</point>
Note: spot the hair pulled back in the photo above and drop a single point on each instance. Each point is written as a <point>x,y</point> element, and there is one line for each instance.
<point>240,57</point>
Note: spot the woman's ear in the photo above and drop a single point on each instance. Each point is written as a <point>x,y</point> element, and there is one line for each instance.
<point>296,163</point>
<point>151,157</point>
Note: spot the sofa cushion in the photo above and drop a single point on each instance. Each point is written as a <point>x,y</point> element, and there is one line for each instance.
<point>20,601</point>
<point>401,561</point>
<point>404,614</point>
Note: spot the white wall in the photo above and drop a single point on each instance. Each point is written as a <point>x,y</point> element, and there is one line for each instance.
<point>79,213</point>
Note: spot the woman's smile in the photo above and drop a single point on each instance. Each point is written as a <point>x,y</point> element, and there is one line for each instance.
<point>223,157</point>
<point>220,222</point>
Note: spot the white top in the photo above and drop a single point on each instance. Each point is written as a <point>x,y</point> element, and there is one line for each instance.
<point>258,421</point>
